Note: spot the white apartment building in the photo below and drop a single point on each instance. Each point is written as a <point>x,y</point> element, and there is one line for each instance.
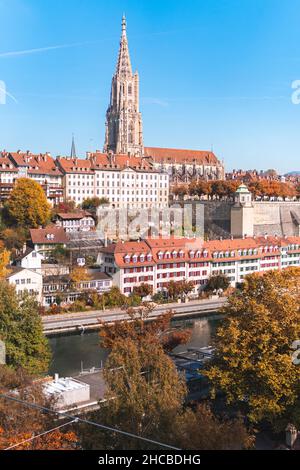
<point>125,181</point>
<point>158,261</point>
<point>26,281</point>
<point>81,221</point>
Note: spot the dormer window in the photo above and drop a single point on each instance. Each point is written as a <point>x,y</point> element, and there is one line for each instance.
<point>227,254</point>
<point>167,255</point>
<point>215,255</point>
<point>192,254</point>
<point>250,252</point>
<point>221,254</point>
<point>142,258</point>
<point>127,259</point>
<point>233,254</point>
<point>149,257</point>
<point>240,252</point>
<point>134,258</point>
<point>174,254</point>
<point>245,252</point>
<point>181,254</point>
<point>160,255</point>
<point>205,253</point>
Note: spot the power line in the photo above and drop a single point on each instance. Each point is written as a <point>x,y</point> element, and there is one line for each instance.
<point>101,426</point>
<point>40,435</point>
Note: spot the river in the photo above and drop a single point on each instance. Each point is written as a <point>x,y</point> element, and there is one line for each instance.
<point>69,352</point>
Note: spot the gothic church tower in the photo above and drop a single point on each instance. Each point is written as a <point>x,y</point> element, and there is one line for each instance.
<point>124,133</point>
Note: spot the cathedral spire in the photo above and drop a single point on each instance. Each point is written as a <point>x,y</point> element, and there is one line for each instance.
<point>73,148</point>
<point>124,130</point>
<point>124,65</point>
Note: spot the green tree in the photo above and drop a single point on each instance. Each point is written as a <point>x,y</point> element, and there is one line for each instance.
<point>27,204</point>
<point>253,364</point>
<point>114,298</point>
<point>22,331</point>
<point>216,282</point>
<point>92,203</point>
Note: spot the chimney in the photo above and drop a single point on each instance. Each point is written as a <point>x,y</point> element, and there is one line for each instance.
<point>56,377</point>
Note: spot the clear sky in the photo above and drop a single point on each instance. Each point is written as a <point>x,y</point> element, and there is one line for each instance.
<point>214,74</point>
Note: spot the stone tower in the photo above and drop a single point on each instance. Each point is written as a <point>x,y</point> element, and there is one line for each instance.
<point>242,213</point>
<point>124,133</point>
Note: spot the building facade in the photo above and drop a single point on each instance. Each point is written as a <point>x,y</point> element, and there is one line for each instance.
<point>121,179</point>
<point>81,221</point>
<point>158,261</point>
<point>41,168</point>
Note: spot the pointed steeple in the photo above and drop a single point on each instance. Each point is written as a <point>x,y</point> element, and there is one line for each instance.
<point>124,129</point>
<point>73,148</point>
<point>124,65</point>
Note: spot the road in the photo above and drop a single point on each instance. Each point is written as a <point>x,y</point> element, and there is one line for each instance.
<point>71,322</point>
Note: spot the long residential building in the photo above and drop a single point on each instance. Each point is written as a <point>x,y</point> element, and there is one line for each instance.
<point>157,261</point>
<point>123,180</point>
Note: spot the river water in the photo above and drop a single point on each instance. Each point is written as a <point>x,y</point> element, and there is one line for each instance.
<point>71,352</point>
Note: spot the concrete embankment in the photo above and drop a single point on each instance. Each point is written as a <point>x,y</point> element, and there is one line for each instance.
<point>84,321</point>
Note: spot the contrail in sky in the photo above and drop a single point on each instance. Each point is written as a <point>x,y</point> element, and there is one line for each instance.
<point>41,49</point>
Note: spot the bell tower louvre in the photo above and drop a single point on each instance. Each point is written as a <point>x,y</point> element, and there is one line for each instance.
<point>124,133</point>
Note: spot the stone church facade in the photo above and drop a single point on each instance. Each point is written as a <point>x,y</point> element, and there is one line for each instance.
<point>124,130</point>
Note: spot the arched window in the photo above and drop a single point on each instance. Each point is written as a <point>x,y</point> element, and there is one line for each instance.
<point>129,89</point>
<point>130,133</point>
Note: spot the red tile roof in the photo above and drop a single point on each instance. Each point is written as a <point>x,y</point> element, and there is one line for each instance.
<point>167,155</point>
<point>74,215</point>
<point>42,164</point>
<point>186,245</point>
<point>41,236</point>
<point>119,161</point>
<point>74,165</point>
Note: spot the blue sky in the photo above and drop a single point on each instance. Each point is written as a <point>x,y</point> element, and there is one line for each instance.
<point>214,74</point>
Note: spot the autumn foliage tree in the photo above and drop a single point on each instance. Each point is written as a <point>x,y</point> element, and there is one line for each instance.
<point>146,397</point>
<point>4,261</point>
<point>253,364</point>
<point>27,204</point>
<point>19,423</point>
<point>79,274</point>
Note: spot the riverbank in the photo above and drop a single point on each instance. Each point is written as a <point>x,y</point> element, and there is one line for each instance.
<point>91,321</point>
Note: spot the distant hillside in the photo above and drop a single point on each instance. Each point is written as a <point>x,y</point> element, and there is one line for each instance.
<point>293,173</point>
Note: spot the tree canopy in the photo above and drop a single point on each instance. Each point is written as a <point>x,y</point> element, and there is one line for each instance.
<point>27,204</point>
<point>19,423</point>
<point>146,396</point>
<point>22,331</point>
<point>253,364</point>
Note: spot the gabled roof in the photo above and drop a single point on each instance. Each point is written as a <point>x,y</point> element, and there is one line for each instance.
<point>42,164</point>
<point>74,215</point>
<point>102,161</point>
<point>75,165</point>
<point>39,236</point>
